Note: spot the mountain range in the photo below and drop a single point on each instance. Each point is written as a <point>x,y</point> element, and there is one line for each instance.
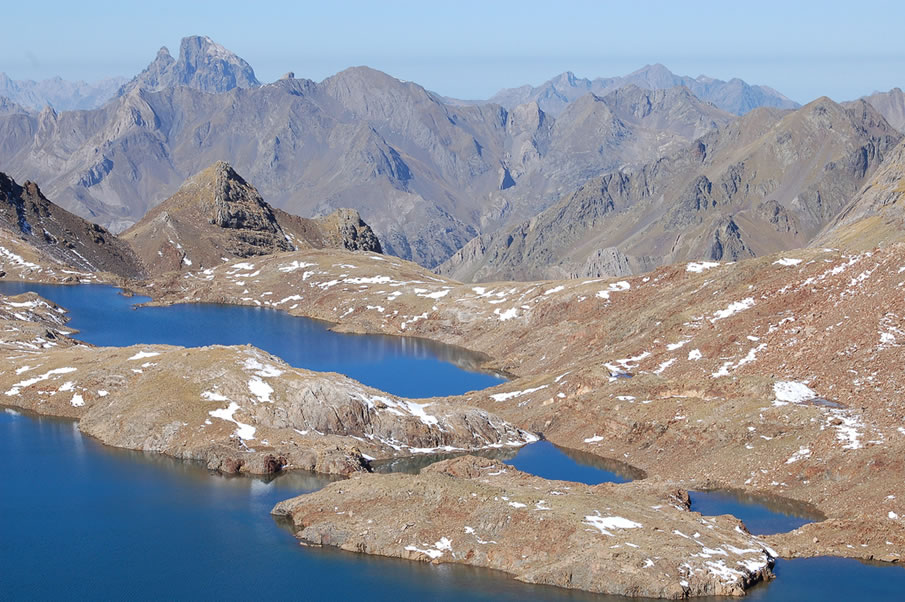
<point>427,176</point>
<point>768,181</point>
<point>734,96</point>
<point>62,95</point>
<point>439,179</point>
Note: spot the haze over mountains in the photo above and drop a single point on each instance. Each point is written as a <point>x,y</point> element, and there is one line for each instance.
<point>430,174</point>
<point>734,96</point>
<point>58,93</point>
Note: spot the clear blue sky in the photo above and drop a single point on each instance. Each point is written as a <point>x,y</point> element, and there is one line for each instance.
<point>471,48</point>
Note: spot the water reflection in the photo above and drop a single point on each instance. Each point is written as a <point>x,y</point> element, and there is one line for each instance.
<point>763,514</point>
<point>541,459</point>
<point>408,366</point>
<point>414,464</point>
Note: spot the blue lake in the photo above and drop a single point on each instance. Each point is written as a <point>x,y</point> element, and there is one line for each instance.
<point>550,462</point>
<point>406,366</point>
<point>762,516</point>
<point>81,520</point>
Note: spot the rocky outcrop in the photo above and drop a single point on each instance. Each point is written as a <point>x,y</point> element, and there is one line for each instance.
<point>234,409</point>
<point>632,540</point>
<point>876,215</point>
<point>344,229</point>
<point>751,188</point>
<point>612,263</point>
<point>217,215</point>
<point>58,236</point>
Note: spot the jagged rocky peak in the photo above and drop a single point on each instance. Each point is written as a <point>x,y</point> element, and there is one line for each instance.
<point>345,229</point>
<point>235,203</point>
<point>216,214</point>
<point>202,64</point>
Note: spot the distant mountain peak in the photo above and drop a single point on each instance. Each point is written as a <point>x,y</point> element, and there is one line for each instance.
<point>202,64</point>
<point>734,96</point>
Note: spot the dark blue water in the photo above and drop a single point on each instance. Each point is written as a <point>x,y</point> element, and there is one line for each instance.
<point>550,462</point>
<point>827,578</point>
<point>762,516</point>
<point>406,366</point>
<point>79,520</point>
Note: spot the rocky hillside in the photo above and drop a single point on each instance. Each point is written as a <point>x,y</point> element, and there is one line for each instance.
<point>484,513</point>
<point>753,375</point>
<point>57,237</point>
<point>734,96</point>
<point>216,216</point>
<point>425,175</point>
<point>876,216</point>
<point>753,187</point>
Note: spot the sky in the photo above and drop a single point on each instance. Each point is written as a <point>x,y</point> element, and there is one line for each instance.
<point>471,49</point>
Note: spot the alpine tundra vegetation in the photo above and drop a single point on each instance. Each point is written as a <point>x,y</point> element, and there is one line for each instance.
<point>634,335</point>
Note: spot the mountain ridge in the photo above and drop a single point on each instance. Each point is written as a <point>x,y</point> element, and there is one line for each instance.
<point>425,175</point>
<point>735,96</point>
<point>750,188</point>
<point>28,216</point>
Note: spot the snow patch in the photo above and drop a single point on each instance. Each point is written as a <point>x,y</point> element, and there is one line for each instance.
<point>699,266</point>
<point>605,523</point>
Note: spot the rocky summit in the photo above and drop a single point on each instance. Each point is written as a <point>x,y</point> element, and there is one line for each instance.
<point>202,65</point>
<point>216,216</point>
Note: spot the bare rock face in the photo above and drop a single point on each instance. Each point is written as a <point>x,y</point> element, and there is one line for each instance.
<point>203,65</point>
<point>876,215</point>
<point>217,215</point>
<point>746,189</point>
<point>344,229</point>
<point>891,105</point>
<point>60,236</point>
<point>631,539</point>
